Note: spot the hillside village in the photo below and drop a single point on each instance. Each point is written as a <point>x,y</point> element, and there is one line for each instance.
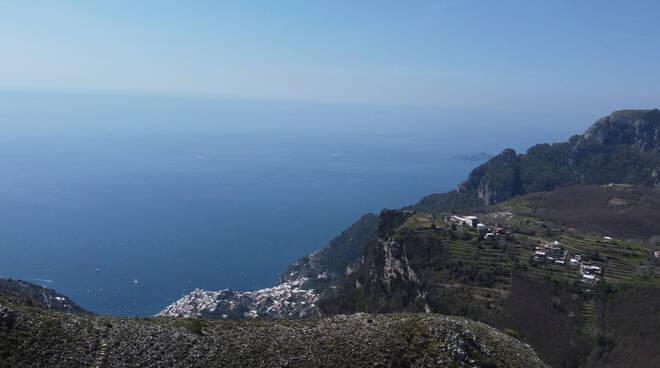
<point>560,250</point>
<point>549,253</point>
<point>286,300</point>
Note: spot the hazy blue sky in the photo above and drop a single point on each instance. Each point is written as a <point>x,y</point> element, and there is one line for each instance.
<point>511,55</point>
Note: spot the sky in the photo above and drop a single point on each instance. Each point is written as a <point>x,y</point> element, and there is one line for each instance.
<point>528,55</point>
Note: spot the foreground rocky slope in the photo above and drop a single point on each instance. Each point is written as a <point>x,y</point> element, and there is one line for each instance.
<point>39,337</point>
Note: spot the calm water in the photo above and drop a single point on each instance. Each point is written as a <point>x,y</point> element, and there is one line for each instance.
<point>126,203</point>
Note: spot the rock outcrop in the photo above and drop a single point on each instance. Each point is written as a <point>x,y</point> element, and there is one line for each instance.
<point>396,263</point>
<point>496,180</point>
<point>637,128</point>
<point>7,317</point>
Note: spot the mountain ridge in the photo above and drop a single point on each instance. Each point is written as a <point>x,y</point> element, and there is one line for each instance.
<point>619,148</point>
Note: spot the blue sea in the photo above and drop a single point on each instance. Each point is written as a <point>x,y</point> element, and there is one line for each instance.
<point>125,203</point>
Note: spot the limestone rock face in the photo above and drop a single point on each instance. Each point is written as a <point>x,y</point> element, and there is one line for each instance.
<point>396,264</point>
<point>497,180</point>
<point>637,128</point>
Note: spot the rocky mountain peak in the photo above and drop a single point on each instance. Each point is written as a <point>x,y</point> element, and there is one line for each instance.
<point>508,154</point>
<point>637,128</point>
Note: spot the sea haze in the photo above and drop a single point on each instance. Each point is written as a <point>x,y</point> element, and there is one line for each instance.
<point>125,203</point>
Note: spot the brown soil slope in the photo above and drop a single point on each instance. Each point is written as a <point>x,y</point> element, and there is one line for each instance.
<point>621,211</point>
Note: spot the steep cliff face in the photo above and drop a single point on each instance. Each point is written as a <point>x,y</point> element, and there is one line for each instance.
<point>396,264</point>
<point>385,264</point>
<point>385,269</point>
<point>637,128</point>
<point>388,261</point>
<point>496,180</point>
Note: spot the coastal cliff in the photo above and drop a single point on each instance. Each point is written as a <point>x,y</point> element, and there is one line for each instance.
<point>619,148</point>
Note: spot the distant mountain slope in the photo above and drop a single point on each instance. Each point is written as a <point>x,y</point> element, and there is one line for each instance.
<point>38,337</point>
<point>623,147</point>
<point>40,295</point>
<point>330,262</point>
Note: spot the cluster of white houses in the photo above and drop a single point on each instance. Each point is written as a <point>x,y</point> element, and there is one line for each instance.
<point>473,221</point>
<point>554,253</point>
<point>550,253</point>
<point>590,274</point>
